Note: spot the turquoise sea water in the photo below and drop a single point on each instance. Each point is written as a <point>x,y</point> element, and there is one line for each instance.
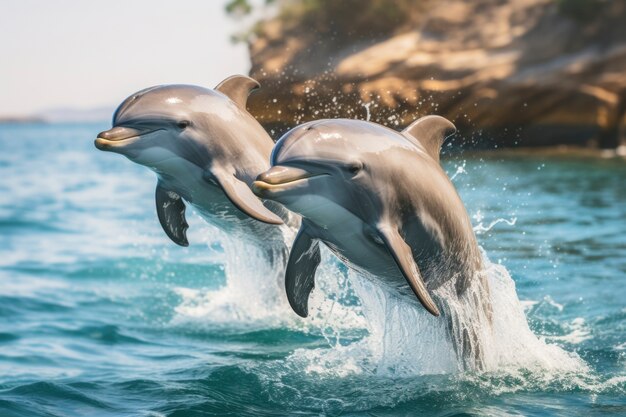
<point>100,315</point>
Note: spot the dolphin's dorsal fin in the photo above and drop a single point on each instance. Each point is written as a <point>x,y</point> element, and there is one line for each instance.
<point>430,132</point>
<point>237,88</point>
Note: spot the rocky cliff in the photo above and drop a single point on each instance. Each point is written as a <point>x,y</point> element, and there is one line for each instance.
<point>507,72</point>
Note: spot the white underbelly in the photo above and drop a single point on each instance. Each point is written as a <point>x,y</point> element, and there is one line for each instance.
<point>347,237</point>
<point>186,179</point>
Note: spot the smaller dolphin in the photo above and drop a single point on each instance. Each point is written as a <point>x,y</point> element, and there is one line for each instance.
<point>205,148</point>
<point>381,202</point>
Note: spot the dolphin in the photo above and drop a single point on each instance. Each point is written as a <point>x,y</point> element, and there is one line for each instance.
<point>381,202</point>
<point>205,149</point>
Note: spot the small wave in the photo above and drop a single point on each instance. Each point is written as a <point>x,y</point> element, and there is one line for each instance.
<point>105,334</point>
<point>36,397</point>
<point>512,380</point>
<point>8,337</point>
<point>578,332</point>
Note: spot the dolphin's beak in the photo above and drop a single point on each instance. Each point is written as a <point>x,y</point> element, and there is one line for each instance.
<point>282,174</point>
<point>278,178</point>
<point>111,138</point>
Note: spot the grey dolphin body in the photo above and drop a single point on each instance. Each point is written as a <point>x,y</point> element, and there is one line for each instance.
<point>205,148</point>
<point>381,202</point>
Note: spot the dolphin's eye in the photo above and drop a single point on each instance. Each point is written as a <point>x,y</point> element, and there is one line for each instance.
<point>355,167</point>
<point>183,124</point>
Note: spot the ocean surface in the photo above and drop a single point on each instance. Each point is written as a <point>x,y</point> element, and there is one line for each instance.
<point>101,315</point>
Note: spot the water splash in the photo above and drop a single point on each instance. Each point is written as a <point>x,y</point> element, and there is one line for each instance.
<point>253,293</point>
<point>403,340</point>
<point>460,169</point>
<point>368,115</point>
<point>406,356</point>
<point>368,330</point>
<point>481,228</point>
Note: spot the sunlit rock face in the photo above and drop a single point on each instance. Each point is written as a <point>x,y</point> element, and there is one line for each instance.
<point>512,73</point>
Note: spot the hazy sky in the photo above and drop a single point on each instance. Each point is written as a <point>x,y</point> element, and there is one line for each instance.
<point>70,53</point>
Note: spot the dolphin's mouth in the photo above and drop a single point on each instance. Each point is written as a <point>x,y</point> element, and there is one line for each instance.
<point>281,178</point>
<point>120,136</point>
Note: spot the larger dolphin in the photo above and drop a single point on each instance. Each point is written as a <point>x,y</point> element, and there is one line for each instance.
<point>381,202</point>
<point>205,148</point>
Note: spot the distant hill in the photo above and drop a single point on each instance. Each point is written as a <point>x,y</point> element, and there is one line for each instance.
<point>97,114</point>
<point>63,115</point>
<point>20,119</point>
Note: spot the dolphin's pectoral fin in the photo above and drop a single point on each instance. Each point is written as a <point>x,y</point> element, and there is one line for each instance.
<point>431,132</point>
<point>300,275</point>
<point>171,211</point>
<point>241,196</point>
<point>237,88</point>
<point>401,253</point>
